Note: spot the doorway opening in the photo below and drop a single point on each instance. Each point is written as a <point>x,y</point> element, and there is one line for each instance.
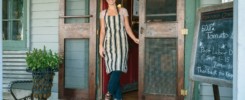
<point>155,66</point>
<point>129,80</point>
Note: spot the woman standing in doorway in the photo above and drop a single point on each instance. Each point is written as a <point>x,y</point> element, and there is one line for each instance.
<point>114,45</point>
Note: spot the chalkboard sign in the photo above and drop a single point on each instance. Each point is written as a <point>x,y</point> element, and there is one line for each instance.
<point>212,61</point>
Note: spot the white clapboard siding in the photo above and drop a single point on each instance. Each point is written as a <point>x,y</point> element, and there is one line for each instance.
<point>9,60</point>
<point>53,6</point>
<point>14,67</point>
<point>206,92</point>
<point>45,30</point>
<point>14,55</point>
<point>43,38</point>
<point>44,1</point>
<point>44,24</point>
<point>44,21</point>
<point>48,14</point>
<point>50,45</point>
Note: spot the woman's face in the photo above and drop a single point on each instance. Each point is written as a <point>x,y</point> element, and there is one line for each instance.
<point>111,2</point>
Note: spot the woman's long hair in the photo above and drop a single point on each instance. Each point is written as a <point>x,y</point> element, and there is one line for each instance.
<point>119,2</point>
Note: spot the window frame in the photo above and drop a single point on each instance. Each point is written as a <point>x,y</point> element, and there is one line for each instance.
<point>24,43</point>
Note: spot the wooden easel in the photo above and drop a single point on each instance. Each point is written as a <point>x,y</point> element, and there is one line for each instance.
<point>216,92</point>
<point>199,63</point>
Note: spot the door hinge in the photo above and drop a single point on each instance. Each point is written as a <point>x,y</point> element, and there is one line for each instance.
<point>183,92</point>
<point>184,31</point>
<point>97,32</point>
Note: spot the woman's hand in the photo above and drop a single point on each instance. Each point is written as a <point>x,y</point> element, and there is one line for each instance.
<point>102,51</point>
<point>136,40</point>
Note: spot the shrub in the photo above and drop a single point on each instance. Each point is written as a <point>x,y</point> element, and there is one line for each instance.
<point>42,59</point>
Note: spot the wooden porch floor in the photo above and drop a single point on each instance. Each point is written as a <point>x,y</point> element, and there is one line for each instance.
<point>130,95</point>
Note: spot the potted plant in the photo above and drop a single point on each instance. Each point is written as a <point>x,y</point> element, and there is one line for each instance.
<point>42,63</point>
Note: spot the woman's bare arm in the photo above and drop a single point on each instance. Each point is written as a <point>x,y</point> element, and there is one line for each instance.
<point>102,36</point>
<point>129,30</point>
<point>102,31</point>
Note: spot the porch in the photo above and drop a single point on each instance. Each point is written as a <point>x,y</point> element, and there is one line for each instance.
<point>43,29</point>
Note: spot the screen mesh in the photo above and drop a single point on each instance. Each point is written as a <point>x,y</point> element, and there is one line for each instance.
<point>160,66</point>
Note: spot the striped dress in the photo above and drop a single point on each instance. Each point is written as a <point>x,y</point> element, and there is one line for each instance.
<point>115,41</point>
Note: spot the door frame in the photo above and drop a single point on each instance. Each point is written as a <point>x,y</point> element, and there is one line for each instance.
<point>180,17</point>
<point>128,84</point>
<point>88,33</point>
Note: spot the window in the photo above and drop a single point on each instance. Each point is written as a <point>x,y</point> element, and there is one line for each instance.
<point>14,24</point>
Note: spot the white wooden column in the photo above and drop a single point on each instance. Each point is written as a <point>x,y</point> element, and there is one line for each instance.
<point>204,3</point>
<point>1,64</point>
<point>239,50</point>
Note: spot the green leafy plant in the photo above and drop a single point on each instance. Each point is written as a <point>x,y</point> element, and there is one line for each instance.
<point>42,59</point>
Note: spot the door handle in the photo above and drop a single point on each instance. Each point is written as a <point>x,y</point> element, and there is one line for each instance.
<point>142,30</point>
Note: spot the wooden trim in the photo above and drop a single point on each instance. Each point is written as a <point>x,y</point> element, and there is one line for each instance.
<point>23,44</point>
<point>61,51</point>
<point>159,97</point>
<point>180,19</point>
<point>72,92</point>
<point>221,82</point>
<point>81,16</point>
<point>141,48</point>
<point>164,29</point>
<point>92,53</point>
<point>11,20</point>
<point>78,31</point>
<point>100,64</point>
<point>170,29</point>
<point>155,15</point>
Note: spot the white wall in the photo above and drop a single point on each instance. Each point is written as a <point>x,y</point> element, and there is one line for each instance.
<point>206,92</point>
<point>44,24</point>
<point>44,30</point>
<point>239,50</point>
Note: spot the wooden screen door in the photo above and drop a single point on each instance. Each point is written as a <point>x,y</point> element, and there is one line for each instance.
<point>77,43</point>
<point>161,49</point>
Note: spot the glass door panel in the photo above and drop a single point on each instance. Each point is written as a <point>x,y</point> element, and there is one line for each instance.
<point>161,10</point>
<point>77,8</point>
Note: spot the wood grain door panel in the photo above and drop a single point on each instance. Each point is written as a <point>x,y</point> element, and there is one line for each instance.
<point>161,49</point>
<point>157,29</point>
<point>77,25</point>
